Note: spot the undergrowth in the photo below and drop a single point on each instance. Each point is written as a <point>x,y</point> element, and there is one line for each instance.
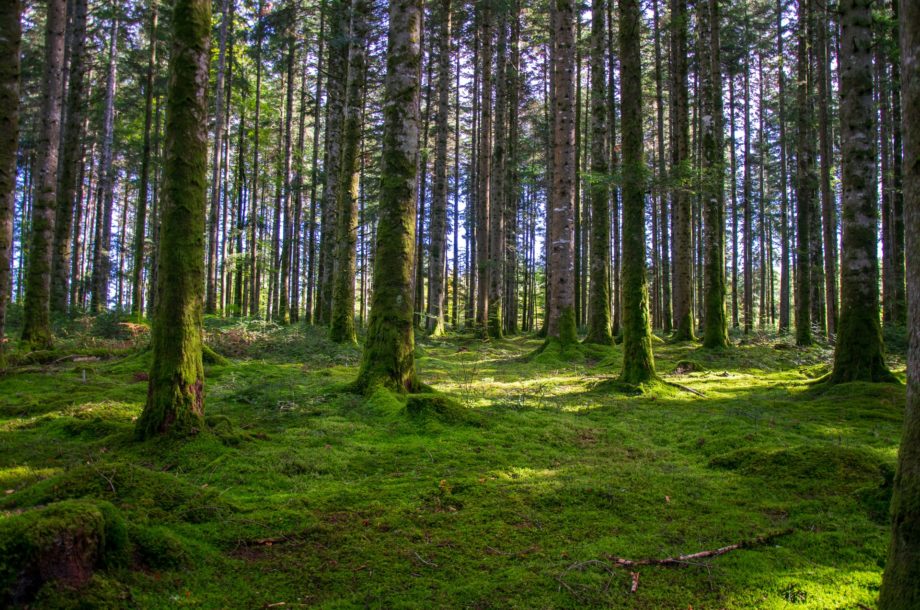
<point>512,485</point>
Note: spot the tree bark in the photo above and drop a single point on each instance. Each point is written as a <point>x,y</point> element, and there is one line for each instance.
<point>71,159</point>
<point>901,581</point>
<point>828,207</point>
<point>10,41</point>
<point>388,357</point>
<point>859,351</point>
<point>437,246</point>
<point>560,256</point>
<point>36,330</point>
<point>210,305</point>
<point>638,363</point>
<point>175,394</point>
<point>784,280</point>
<point>804,184</point>
<point>713,177</point>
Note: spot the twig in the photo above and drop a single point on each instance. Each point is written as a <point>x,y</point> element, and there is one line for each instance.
<point>683,560</point>
<point>685,388</point>
<point>635,582</point>
<point>425,561</point>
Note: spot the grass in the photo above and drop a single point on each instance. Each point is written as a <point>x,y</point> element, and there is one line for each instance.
<point>304,494</point>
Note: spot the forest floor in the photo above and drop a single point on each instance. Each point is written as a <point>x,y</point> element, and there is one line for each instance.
<point>302,495</point>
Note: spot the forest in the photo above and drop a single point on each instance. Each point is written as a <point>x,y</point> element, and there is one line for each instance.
<point>460,304</point>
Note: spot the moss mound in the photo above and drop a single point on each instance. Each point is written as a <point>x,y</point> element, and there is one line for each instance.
<point>62,543</point>
<point>158,547</point>
<point>440,407</point>
<point>146,494</point>
<point>815,467</point>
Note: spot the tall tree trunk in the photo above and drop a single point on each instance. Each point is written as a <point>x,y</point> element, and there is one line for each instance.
<point>733,188</point>
<point>498,188</point>
<point>899,304</point>
<point>455,311</point>
<point>71,158</point>
<point>638,363</point>
<point>512,173</point>
<point>102,248</point>
<point>10,41</point>
<point>175,393</point>
<point>748,206</point>
<point>560,255</point>
<point>828,208</point>
<point>254,287</point>
<point>805,182</point>
<point>901,581</point>
<point>713,178</point>
<point>766,259</point>
<point>437,245</point>
<point>665,306</point>
<point>210,305</point>
<point>335,116</point>
<point>484,198</point>
<point>859,351</point>
<point>141,215</point>
<point>36,329</point>
<point>784,280</point>
<point>314,173</point>
<point>342,327</point>
<point>283,314</point>
<point>680,176</point>
<point>388,357</point>
<point>599,304</point>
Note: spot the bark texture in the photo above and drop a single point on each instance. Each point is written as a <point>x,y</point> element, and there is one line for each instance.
<point>638,363</point>
<point>175,394</point>
<point>388,357</point>
<point>901,581</point>
<point>36,329</point>
<point>858,355</point>
<point>10,41</point>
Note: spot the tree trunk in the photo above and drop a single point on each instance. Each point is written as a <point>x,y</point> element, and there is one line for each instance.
<point>638,363</point>
<point>210,305</point>
<point>804,184</point>
<point>828,207</point>
<point>71,159</point>
<point>36,329</point>
<point>102,248</point>
<point>342,327</point>
<point>560,256</point>
<point>599,303</point>
<point>680,176</point>
<point>748,206</point>
<point>784,282</point>
<point>314,174</point>
<point>901,582</point>
<point>859,352</point>
<point>175,394</point>
<point>713,176</point>
<point>484,198</point>
<point>388,357</point>
<point>10,40</point>
<point>141,215</point>
<point>283,314</point>
<point>437,246</point>
<point>254,288</point>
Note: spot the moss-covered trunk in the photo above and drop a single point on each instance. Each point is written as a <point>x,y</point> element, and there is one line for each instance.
<point>437,246</point>
<point>10,40</point>
<point>175,394</point>
<point>859,351</point>
<point>498,190</point>
<point>36,330</point>
<point>901,582</point>
<point>388,357</point>
<point>599,301</point>
<point>680,176</point>
<point>638,364</point>
<point>342,326</point>
<point>713,177</point>
<point>71,159</point>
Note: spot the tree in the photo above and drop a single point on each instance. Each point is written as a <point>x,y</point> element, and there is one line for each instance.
<point>713,176</point>
<point>901,581</point>
<point>560,253</point>
<point>680,170</point>
<point>36,330</point>
<point>71,158</point>
<point>437,247</point>
<point>859,353</point>
<point>805,182</point>
<point>599,304</point>
<point>638,363</point>
<point>10,40</point>
<point>342,326</point>
<point>389,357</point>
<point>175,394</point>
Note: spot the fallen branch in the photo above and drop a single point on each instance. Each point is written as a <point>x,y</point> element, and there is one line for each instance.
<point>685,388</point>
<point>683,560</point>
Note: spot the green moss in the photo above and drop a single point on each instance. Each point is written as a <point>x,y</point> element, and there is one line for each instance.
<point>158,547</point>
<point>65,542</point>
